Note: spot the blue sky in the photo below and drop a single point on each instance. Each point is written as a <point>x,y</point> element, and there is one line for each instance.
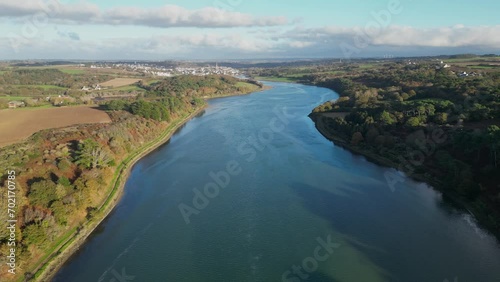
<point>245,29</point>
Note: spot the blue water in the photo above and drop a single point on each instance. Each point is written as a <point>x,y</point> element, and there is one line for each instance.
<point>282,191</point>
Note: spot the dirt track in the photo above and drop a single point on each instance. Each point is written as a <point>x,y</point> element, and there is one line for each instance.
<point>18,124</point>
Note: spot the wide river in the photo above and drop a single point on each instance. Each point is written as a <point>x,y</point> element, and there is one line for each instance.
<point>250,191</point>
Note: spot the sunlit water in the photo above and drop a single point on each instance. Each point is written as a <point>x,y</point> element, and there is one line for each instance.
<point>290,190</point>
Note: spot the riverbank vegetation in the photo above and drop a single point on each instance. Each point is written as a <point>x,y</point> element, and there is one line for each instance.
<point>65,176</point>
<point>437,121</point>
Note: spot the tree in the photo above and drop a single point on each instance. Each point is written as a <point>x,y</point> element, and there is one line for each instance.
<point>42,193</point>
<point>357,138</point>
<point>117,105</point>
<point>371,135</point>
<point>441,118</point>
<point>91,155</point>
<point>494,141</point>
<point>413,122</point>
<point>387,118</point>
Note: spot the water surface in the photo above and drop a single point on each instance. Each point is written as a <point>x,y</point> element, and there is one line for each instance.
<point>292,189</point>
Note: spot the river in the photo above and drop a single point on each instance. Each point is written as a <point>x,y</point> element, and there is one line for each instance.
<point>249,190</point>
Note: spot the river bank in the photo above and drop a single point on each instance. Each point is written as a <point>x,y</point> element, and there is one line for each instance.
<point>269,217</point>
<point>57,259</point>
<point>461,203</point>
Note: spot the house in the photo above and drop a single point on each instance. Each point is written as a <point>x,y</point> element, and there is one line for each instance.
<point>15,104</point>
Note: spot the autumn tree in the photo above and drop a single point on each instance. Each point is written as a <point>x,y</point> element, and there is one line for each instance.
<point>92,155</point>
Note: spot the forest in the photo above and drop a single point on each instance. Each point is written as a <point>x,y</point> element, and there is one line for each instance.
<point>391,113</point>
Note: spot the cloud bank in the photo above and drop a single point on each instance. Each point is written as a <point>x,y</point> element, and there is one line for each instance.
<point>163,17</point>
<point>212,36</point>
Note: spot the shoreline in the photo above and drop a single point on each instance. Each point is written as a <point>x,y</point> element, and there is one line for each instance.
<point>454,198</point>
<point>62,254</point>
<point>56,260</point>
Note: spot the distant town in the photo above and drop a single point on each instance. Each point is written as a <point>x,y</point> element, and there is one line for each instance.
<point>161,71</point>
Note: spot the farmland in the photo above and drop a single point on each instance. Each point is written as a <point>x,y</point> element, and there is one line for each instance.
<point>16,125</point>
<point>119,82</point>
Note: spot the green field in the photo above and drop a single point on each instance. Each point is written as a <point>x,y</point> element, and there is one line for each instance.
<point>475,59</point>
<point>484,67</point>
<point>276,79</point>
<point>13,98</point>
<point>150,82</point>
<point>368,66</point>
<point>72,71</point>
<point>249,86</point>
<point>127,88</point>
<point>43,86</point>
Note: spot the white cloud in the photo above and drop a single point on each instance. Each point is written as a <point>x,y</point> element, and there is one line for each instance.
<point>261,43</point>
<point>166,16</point>
<point>400,36</point>
<point>300,44</point>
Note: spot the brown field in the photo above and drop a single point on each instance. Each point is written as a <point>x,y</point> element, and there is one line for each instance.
<point>19,124</point>
<point>118,82</point>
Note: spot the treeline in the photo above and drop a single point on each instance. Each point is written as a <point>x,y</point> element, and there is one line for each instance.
<point>64,175</point>
<point>200,86</point>
<point>55,77</point>
<point>160,109</point>
<point>380,111</point>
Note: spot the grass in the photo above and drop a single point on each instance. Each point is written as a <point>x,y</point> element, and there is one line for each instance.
<point>367,66</point>
<point>276,79</point>
<point>43,86</point>
<point>72,71</point>
<point>152,82</point>
<point>483,67</point>
<point>458,60</point>
<point>127,88</point>
<point>245,84</point>
<point>14,98</point>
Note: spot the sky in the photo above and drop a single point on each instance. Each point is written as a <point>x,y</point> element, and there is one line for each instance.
<point>245,29</point>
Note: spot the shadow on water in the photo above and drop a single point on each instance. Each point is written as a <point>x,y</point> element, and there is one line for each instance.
<point>100,229</point>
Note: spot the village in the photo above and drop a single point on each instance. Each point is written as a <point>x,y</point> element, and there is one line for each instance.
<point>162,71</point>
